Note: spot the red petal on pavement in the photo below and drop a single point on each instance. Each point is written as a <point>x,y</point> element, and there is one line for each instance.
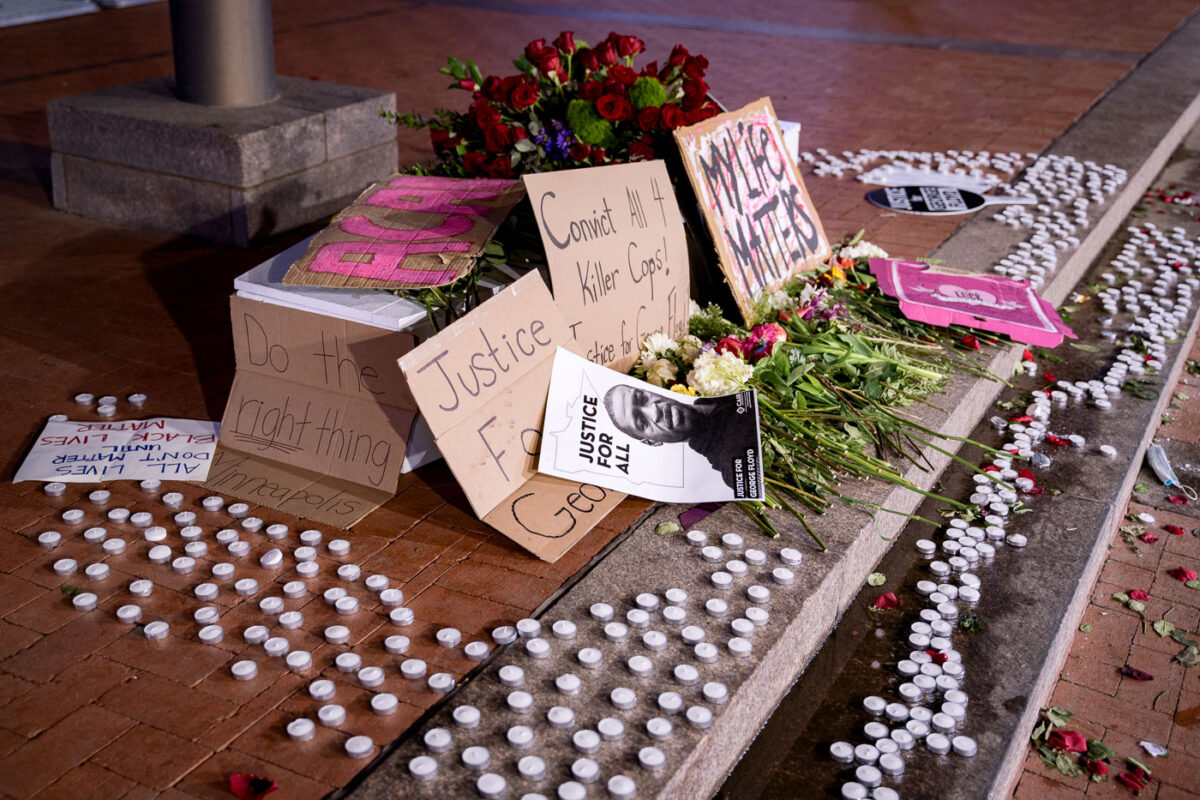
<point>1148,538</point>
<point>1130,780</point>
<point>1021,418</point>
<point>1183,574</point>
<point>1058,440</point>
<point>1174,530</point>
<point>1071,741</point>
<point>970,342</point>
<point>1138,594</point>
<point>937,656</point>
<point>991,468</point>
<point>887,600</point>
<point>251,787</point>
<point>1178,499</point>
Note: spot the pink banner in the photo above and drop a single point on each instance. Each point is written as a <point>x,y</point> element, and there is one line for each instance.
<point>985,302</point>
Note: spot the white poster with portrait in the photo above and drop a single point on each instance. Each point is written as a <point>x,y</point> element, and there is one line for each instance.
<point>616,431</point>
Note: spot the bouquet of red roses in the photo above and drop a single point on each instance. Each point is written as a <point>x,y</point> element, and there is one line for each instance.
<point>570,105</point>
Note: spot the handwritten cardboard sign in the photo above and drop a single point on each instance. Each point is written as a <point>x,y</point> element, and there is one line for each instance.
<point>481,386</point>
<point>90,452</point>
<point>986,302</point>
<point>618,257</point>
<point>763,223</point>
<point>319,399</point>
<point>407,232</point>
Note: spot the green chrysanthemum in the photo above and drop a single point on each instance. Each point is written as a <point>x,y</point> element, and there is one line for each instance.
<point>647,91</point>
<point>587,124</point>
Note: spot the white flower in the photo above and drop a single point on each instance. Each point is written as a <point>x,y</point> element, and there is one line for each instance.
<point>688,348</point>
<point>807,295</point>
<point>658,343</point>
<point>778,300</point>
<point>716,374</point>
<point>863,249</point>
<point>661,372</point>
<point>694,308</point>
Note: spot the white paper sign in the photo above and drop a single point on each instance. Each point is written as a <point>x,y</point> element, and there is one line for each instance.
<point>92,452</point>
<point>615,431</point>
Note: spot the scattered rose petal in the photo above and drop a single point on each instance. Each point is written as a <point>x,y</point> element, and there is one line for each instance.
<point>1183,574</point>
<point>1027,473</point>
<point>936,657</point>
<point>1058,440</point>
<point>991,468</point>
<point>1178,499</point>
<point>1026,355</point>
<point>1149,538</point>
<point>1094,766</point>
<point>1050,377</point>
<point>1071,741</point>
<point>1130,780</point>
<point>1138,594</point>
<point>1023,418</point>
<point>970,342</point>
<point>1135,673</point>
<point>887,600</point>
<point>1036,491</point>
<point>1174,530</point>
<point>251,787</point>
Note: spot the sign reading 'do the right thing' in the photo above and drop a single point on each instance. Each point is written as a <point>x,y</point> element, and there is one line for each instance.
<point>762,220</point>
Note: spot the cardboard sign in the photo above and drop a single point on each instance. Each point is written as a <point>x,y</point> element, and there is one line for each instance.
<point>986,302</point>
<point>133,450</point>
<point>407,232</point>
<point>318,406</point>
<point>618,257</point>
<point>624,434</point>
<point>762,220</point>
<point>481,385</point>
<point>938,200</point>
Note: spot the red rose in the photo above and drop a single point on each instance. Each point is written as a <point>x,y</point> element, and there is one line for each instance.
<point>591,90</point>
<point>1071,741</point>
<point>695,67</point>
<point>672,117</point>
<point>492,89</point>
<point>589,59</point>
<point>642,149</point>
<point>708,111</point>
<point>566,42</point>
<point>533,48</point>
<point>694,94</point>
<point>650,70</point>
<point>679,56</point>
<point>485,114</point>
<point>598,155</point>
<point>647,118</point>
<point>730,344</point>
<point>500,167</point>
<point>443,140</point>
<point>621,75</point>
<point>580,151</point>
<point>628,46</point>
<point>474,162</point>
<point>606,51</point>
<point>524,95</point>
<point>614,107</point>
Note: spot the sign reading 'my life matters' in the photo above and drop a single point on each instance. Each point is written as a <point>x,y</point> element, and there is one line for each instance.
<point>407,232</point>
<point>762,220</point>
<point>481,386</point>
<point>90,452</point>
<point>617,254</point>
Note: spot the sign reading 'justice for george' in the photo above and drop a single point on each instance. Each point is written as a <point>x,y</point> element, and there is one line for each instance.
<point>481,386</point>
<point>408,232</point>
<point>762,220</point>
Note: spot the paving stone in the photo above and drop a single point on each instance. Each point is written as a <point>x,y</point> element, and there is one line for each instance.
<point>88,782</point>
<point>71,741</point>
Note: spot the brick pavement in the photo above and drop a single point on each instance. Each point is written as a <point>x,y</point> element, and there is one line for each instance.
<point>89,709</point>
<point>1118,710</point>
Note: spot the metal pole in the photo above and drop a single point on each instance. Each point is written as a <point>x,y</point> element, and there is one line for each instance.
<point>224,52</point>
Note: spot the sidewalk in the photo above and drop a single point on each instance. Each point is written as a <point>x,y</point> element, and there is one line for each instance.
<point>1122,711</point>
